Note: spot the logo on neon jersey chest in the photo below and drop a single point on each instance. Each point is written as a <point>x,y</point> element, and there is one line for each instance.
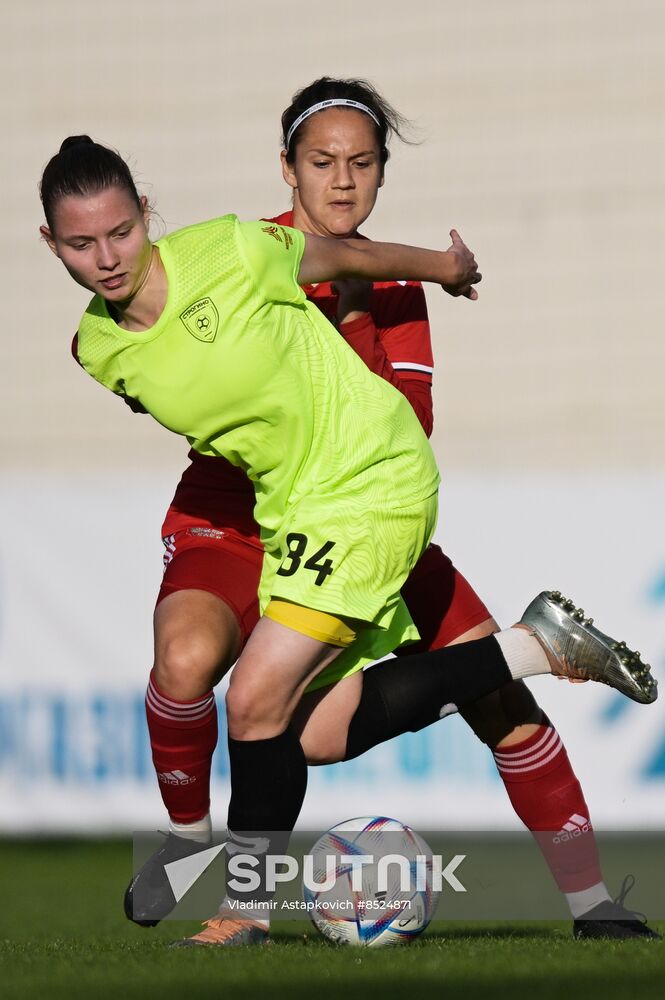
<point>202,320</point>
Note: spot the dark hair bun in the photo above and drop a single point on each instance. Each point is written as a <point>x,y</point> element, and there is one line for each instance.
<point>81,168</point>
<point>76,140</point>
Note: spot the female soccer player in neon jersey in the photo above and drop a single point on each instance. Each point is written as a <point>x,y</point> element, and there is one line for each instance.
<point>284,379</point>
<point>334,158</point>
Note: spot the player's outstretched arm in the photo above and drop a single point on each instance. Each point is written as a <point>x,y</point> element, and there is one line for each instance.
<point>455,269</point>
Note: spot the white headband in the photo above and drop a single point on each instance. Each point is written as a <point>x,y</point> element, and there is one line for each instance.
<point>344,102</point>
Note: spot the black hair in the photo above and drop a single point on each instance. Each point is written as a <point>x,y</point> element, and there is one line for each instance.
<point>83,167</point>
<point>326,88</point>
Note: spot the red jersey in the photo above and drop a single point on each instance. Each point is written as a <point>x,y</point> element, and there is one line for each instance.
<point>393,340</point>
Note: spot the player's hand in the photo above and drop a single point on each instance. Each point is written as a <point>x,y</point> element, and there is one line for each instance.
<point>354,297</point>
<point>468,269</point>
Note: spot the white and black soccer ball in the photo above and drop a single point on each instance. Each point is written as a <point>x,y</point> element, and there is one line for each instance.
<point>390,901</point>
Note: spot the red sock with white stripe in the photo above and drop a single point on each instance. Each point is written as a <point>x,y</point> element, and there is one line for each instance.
<point>183,737</point>
<point>547,797</point>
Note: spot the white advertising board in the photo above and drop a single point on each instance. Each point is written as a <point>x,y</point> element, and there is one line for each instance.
<point>79,568</point>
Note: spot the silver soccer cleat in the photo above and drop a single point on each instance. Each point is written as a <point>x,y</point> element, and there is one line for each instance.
<point>582,652</point>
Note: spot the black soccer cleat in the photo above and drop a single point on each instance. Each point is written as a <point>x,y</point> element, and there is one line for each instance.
<point>612,920</point>
<point>149,896</point>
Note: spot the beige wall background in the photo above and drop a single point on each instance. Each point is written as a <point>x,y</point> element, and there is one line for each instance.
<point>543,141</point>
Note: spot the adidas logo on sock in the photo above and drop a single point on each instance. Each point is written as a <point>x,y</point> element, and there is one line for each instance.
<point>574,827</point>
<point>175,778</point>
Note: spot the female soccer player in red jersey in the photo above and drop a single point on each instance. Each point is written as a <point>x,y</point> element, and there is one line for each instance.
<point>334,160</point>
<point>188,714</point>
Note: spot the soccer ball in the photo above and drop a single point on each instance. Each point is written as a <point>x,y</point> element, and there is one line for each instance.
<point>386,902</point>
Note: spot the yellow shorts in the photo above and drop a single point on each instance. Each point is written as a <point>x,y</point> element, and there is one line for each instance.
<point>316,624</point>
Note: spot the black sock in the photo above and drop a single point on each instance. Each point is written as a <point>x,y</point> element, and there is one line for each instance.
<point>411,692</point>
<point>268,784</point>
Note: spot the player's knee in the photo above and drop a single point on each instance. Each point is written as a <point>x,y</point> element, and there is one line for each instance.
<point>251,713</point>
<point>189,665</point>
<point>324,750</point>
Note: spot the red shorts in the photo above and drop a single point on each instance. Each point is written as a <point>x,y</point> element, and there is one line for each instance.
<point>228,565</point>
<point>441,602</point>
<point>223,563</point>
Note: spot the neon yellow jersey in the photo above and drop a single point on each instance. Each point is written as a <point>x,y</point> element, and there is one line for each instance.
<point>245,367</point>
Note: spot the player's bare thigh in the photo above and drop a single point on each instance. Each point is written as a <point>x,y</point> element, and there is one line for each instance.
<point>270,677</point>
<point>197,640</point>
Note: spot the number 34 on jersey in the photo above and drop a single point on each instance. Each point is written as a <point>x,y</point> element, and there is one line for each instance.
<point>297,545</point>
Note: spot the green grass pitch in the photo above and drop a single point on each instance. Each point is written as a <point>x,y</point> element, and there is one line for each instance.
<point>63,934</point>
